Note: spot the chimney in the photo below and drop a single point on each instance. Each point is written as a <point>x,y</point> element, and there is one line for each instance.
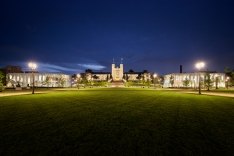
<point>181,69</point>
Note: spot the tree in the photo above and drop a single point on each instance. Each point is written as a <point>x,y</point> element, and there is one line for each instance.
<point>47,81</point>
<point>172,80</point>
<point>148,83</point>
<point>4,80</point>
<point>208,82</point>
<point>186,82</point>
<point>155,81</point>
<point>124,76</point>
<point>83,80</point>
<point>229,73</point>
<point>18,84</point>
<point>131,71</point>
<point>61,81</point>
<point>95,77</point>
<point>140,77</point>
<point>88,71</point>
<point>161,80</point>
<point>78,82</point>
<point>232,78</point>
<point>228,82</point>
<point>217,80</point>
<point>1,81</point>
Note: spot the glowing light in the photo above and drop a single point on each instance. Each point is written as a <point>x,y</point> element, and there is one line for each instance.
<point>200,65</point>
<point>155,75</point>
<point>32,65</point>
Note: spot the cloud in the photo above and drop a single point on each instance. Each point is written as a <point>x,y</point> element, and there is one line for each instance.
<point>50,67</point>
<point>56,68</point>
<point>92,66</point>
<point>69,68</point>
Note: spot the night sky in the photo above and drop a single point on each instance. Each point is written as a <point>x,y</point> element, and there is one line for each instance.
<point>158,35</point>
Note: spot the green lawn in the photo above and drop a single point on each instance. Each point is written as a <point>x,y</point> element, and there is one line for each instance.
<point>230,90</point>
<point>116,122</point>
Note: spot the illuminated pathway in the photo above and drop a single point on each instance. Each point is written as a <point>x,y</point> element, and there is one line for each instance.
<point>213,94</point>
<point>3,94</point>
<point>19,93</point>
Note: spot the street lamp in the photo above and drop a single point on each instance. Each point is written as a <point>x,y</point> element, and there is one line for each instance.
<point>77,80</point>
<point>91,82</point>
<point>199,66</point>
<point>216,81</point>
<point>227,80</point>
<point>32,66</point>
<point>155,75</point>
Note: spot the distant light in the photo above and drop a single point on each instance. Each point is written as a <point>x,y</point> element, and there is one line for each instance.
<point>155,75</point>
<point>78,75</point>
<point>32,65</point>
<point>200,65</point>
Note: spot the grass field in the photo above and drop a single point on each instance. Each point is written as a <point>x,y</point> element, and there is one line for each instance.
<point>116,122</point>
<point>230,90</point>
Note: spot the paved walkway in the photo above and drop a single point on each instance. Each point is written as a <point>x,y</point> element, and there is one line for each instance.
<point>19,93</point>
<point>214,94</point>
<point>3,94</point>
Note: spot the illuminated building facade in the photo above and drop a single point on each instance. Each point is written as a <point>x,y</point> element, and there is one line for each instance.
<point>63,80</point>
<point>178,79</point>
<point>117,74</point>
<point>41,80</point>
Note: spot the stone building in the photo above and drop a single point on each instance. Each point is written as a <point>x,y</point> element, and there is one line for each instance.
<point>41,80</point>
<point>135,76</point>
<point>177,79</point>
<point>10,69</point>
<point>97,76</point>
<point>117,74</point>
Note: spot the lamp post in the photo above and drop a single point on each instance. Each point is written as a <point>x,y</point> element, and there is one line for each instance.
<point>78,80</point>
<point>216,81</point>
<point>91,82</point>
<point>32,66</point>
<point>199,66</point>
<point>227,80</point>
<point>155,75</point>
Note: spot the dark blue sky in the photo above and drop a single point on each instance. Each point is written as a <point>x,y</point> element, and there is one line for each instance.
<point>158,35</point>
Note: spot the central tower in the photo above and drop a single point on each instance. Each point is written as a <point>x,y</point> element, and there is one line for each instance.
<point>117,72</point>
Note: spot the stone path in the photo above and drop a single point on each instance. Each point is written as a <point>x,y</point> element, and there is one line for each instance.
<point>117,84</point>
<point>3,94</point>
<point>214,94</point>
<point>18,93</point>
